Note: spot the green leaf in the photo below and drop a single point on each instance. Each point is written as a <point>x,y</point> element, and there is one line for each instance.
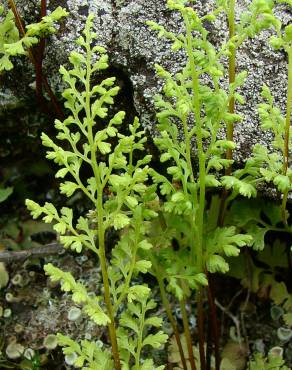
<point>128,321</point>
<point>276,42</point>
<point>5,63</point>
<point>4,276</point>
<point>201,279</point>
<point>144,244</point>
<point>258,235</point>
<point>155,340</point>
<point>231,250</point>
<point>60,228</point>
<point>118,118</point>
<point>111,131</point>
<point>138,292</point>
<point>57,14</point>
<point>279,293</point>
<point>221,239</point>
<point>211,181</point>
<point>146,365</point>
<point>72,242</point>
<point>216,263</point>
<point>79,294</point>
<point>165,157</point>
<point>288,33</point>
<point>283,183</point>
<point>243,211</point>
<point>104,147</point>
<point>287,317</point>
<point>68,188</point>
<point>154,321</point>
<point>120,221</point>
<point>34,208</point>
<point>116,180</point>
<point>143,266</point>
<point>178,197</point>
<point>240,186</point>
<point>62,173</point>
<point>131,201</point>
<point>289,2</point>
<point>5,193</point>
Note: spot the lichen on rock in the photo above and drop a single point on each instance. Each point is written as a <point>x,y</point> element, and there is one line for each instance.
<point>134,49</point>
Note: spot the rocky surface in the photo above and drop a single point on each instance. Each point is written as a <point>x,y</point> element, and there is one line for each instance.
<point>133,50</point>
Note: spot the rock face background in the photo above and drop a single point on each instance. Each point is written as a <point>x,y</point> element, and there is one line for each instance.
<point>133,50</point>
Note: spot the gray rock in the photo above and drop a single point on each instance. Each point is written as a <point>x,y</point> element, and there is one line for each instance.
<point>133,49</point>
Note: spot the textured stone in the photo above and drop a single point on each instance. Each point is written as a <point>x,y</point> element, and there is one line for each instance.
<point>133,49</point>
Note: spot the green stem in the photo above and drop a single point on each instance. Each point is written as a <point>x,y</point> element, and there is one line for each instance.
<point>274,228</point>
<point>232,65</point>
<point>100,216</point>
<point>200,149</point>
<point>166,305</point>
<point>188,147</point>
<point>231,108</point>
<point>187,333</point>
<point>107,297</point>
<point>140,337</point>
<point>131,270</point>
<point>202,180</point>
<point>287,132</point>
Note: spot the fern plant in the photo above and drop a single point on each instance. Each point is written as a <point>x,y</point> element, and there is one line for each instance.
<point>269,363</point>
<point>195,106</point>
<point>275,167</point>
<point>258,17</point>
<point>272,165</point>
<point>11,44</point>
<point>269,165</point>
<point>8,34</point>
<point>127,207</point>
<point>18,40</point>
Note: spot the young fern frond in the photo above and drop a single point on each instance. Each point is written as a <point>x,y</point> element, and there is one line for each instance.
<point>194,101</point>
<point>135,320</point>
<point>201,110</point>
<point>86,353</point>
<point>274,166</point>
<point>110,157</point>
<point>8,34</point>
<point>271,362</point>
<point>10,42</point>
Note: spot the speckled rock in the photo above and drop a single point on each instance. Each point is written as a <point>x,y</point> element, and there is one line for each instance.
<point>133,50</point>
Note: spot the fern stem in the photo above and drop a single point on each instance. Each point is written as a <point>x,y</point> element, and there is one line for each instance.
<point>213,322</point>
<point>287,132</point>
<point>182,303</point>
<point>131,270</point>
<point>17,17</point>
<point>167,307</point>
<point>39,56</point>
<point>140,337</point>
<point>201,328</point>
<point>107,297</point>
<point>232,66</point>
<point>100,216</point>
<point>188,147</point>
<point>31,56</point>
<point>229,129</point>
<point>202,183</point>
<point>200,149</point>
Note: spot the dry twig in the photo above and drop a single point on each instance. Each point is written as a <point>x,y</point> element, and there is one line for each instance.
<point>43,251</point>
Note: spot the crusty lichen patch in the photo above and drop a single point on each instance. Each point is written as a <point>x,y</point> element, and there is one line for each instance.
<point>39,308</point>
<point>121,27</point>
